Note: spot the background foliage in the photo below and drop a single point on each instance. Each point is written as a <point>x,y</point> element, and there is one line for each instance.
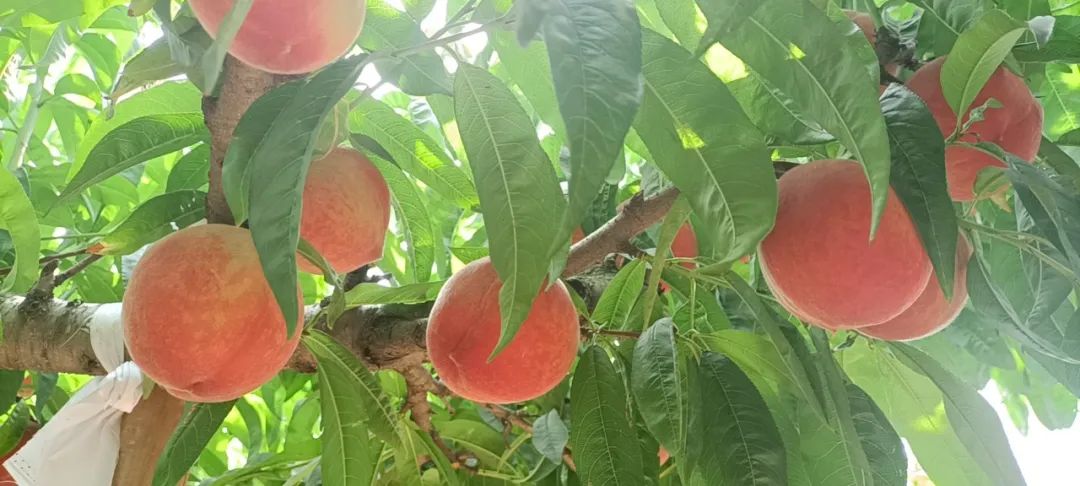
<point>104,146</point>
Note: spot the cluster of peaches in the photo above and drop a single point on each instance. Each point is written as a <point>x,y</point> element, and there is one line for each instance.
<point>200,319</point>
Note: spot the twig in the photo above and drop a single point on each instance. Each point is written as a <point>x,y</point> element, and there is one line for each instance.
<point>509,416</point>
<point>433,43</point>
<point>608,332</point>
<point>75,269</point>
<point>450,23</point>
<point>635,217</point>
<point>49,259</point>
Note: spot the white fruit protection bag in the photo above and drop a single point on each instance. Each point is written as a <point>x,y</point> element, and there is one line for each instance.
<point>81,443</point>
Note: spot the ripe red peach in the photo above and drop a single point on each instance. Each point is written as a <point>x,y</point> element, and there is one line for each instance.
<point>819,260</point>
<point>463,329</point>
<point>1016,126</point>
<point>288,36</point>
<point>931,312</point>
<point>200,319</point>
<point>685,244</point>
<point>346,211</point>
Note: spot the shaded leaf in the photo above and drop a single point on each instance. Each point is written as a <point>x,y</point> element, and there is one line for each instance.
<point>375,294</point>
<point>605,449</point>
<point>19,220</point>
<point>918,176</point>
<point>200,422</point>
<point>658,382</point>
<point>191,171</point>
<point>550,436</point>
<point>613,308</point>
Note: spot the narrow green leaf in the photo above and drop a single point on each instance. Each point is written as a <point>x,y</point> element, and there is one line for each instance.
<point>976,55</point>
<point>975,422</point>
<point>595,55</point>
<point>213,58</point>
<point>153,63</point>
<point>133,143</point>
<point>681,16</point>
<point>768,321</point>
<point>658,382</point>
<point>798,49</point>
<point>733,438</point>
<point>375,294</point>
<point>1053,207</point>
<point>415,151</point>
<point>884,451</point>
<point>918,177</point>
<point>346,457</point>
<point>915,407</point>
<point>1060,100</point>
<point>153,220</point>
<point>18,218</point>
<point>702,141</point>
<point>614,306</point>
<point>605,449</point>
<point>775,113</point>
<point>191,171</point>
<point>412,217</point>
<point>166,98</point>
<point>359,398</point>
<point>1060,161</point>
<point>519,193</point>
<point>267,163</point>
<point>723,16</point>
<point>942,21</point>
<point>201,421</point>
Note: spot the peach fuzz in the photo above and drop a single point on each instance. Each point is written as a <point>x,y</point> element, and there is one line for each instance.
<point>1015,127</point>
<point>346,211</point>
<point>931,312</point>
<point>819,260</point>
<point>288,36</point>
<point>200,319</point>
<point>463,330</point>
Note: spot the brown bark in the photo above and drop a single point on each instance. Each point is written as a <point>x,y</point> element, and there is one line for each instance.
<point>143,435</point>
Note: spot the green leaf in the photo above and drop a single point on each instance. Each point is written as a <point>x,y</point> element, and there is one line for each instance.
<point>375,294</point>
<point>361,402</point>
<point>18,218</point>
<point>415,151</point>
<point>550,436</point>
<point>733,438</point>
<point>723,16</point>
<point>614,306</point>
<point>594,48</point>
<point>519,194</point>
<point>976,55</point>
<point>1060,99</point>
<point>191,171</point>
<point>133,143</point>
<point>915,407</point>
<point>346,444</point>
<point>1063,45</point>
<point>152,221</point>
<point>412,217</point>
<point>681,16</point>
<point>1060,161</point>
<point>975,422</point>
<point>942,21</point>
<point>918,177</point>
<point>386,29</point>
<point>267,163</point>
<point>658,382</point>
<point>776,338</point>
<point>1052,206</point>
<point>886,454</point>
<point>699,136</point>
<point>605,449</point>
<point>201,421</point>
<point>796,48</point>
<point>775,113</point>
<point>164,99</point>
<point>212,59</point>
<point>529,68</point>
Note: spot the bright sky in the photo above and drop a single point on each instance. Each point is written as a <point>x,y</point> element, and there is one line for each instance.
<point>1047,458</point>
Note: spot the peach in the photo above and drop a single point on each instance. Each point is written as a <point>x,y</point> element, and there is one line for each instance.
<point>663,455</point>
<point>931,312</point>
<point>577,236</point>
<point>5,477</point>
<point>819,260</point>
<point>1016,126</point>
<point>288,36</point>
<point>200,319</point>
<point>346,211</point>
<point>463,329</point>
<point>685,244</point>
